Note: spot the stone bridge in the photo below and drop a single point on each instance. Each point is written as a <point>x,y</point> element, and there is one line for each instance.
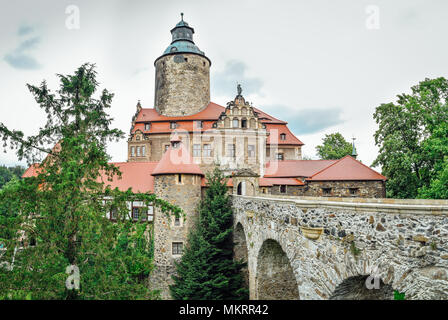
<point>342,248</point>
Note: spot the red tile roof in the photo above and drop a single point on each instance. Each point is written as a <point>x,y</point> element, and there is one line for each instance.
<point>347,168</point>
<point>177,160</point>
<point>275,130</point>
<point>295,168</point>
<point>31,171</point>
<point>211,112</point>
<point>135,175</point>
<point>268,182</point>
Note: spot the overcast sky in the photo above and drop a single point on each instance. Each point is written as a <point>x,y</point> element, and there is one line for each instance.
<point>323,66</point>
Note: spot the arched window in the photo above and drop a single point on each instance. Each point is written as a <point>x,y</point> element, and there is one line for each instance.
<point>283,136</point>
<point>235,123</point>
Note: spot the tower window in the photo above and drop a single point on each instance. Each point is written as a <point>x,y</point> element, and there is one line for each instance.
<point>173,125</point>
<point>177,221</point>
<point>147,126</point>
<point>283,137</point>
<point>177,247</point>
<point>179,178</point>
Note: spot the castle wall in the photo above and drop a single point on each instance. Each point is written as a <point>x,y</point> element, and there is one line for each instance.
<point>365,189</point>
<point>182,84</point>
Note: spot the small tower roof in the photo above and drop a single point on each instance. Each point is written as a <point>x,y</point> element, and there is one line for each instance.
<point>176,161</point>
<point>354,154</point>
<point>182,40</point>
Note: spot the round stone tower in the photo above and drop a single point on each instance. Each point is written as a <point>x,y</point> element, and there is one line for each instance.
<point>182,84</point>
<point>178,180</point>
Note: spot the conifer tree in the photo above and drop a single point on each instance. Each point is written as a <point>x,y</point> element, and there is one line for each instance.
<point>207,270</point>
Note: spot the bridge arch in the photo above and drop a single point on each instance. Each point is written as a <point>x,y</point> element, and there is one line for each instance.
<point>275,279</point>
<point>363,287</point>
<point>240,251</point>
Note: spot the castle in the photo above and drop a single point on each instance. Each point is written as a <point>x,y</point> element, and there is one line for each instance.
<point>172,146</point>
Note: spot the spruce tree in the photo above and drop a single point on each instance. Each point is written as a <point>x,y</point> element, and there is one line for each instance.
<point>207,270</point>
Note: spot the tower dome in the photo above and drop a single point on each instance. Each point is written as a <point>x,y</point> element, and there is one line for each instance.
<point>182,84</point>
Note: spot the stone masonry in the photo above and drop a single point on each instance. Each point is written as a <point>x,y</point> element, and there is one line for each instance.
<point>315,248</point>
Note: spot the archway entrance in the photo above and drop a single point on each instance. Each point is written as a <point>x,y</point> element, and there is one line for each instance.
<point>240,251</point>
<point>354,288</point>
<point>241,189</point>
<point>275,277</point>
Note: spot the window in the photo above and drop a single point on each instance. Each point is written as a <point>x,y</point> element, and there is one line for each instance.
<point>283,137</point>
<point>147,126</point>
<point>199,124</point>
<point>113,214</point>
<point>167,146</point>
<point>138,151</point>
<point>176,144</point>
<point>207,150</point>
<point>353,191</point>
<point>251,151</point>
<point>196,150</point>
<point>264,190</point>
<point>177,247</point>
<point>173,125</point>
<point>279,156</point>
<point>283,189</point>
<point>244,123</point>
<point>138,213</point>
<point>32,242</point>
<point>326,191</point>
<point>137,138</point>
<point>235,123</point>
<point>231,150</point>
<point>132,151</point>
<point>177,221</point>
<point>179,178</point>
<point>143,151</point>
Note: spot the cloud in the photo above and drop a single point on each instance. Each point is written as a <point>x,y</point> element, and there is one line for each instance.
<point>224,82</point>
<point>24,30</point>
<point>20,58</point>
<point>306,121</point>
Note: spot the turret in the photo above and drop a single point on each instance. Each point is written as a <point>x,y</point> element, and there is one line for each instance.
<point>182,84</point>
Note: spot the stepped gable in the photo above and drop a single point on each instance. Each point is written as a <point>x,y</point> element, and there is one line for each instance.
<point>347,169</point>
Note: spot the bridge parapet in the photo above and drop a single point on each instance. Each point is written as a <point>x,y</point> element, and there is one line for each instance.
<point>329,242</point>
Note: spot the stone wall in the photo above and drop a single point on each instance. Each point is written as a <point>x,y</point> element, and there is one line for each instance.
<point>365,189</point>
<point>331,245</point>
<point>186,195</point>
<point>182,84</point>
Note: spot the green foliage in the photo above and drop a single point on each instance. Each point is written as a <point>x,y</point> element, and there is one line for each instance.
<point>207,270</point>
<point>63,208</point>
<point>413,141</point>
<point>334,146</point>
<point>8,173</point>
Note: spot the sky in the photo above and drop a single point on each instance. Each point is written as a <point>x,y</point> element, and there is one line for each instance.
<point>323,65</point>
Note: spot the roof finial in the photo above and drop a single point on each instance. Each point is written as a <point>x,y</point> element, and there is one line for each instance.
<point>182,16</point>
<point>354,153</point>
<point>238,88</point>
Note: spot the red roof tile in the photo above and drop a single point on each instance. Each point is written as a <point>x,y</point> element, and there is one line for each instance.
<point>275,130</point>
<point>347,168</point>
<point>211,112</point>
<point>295,168</point>
<point>135,175</point>
<point>177,160</point>
<point>267,182</point>
<point>31,171</point>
